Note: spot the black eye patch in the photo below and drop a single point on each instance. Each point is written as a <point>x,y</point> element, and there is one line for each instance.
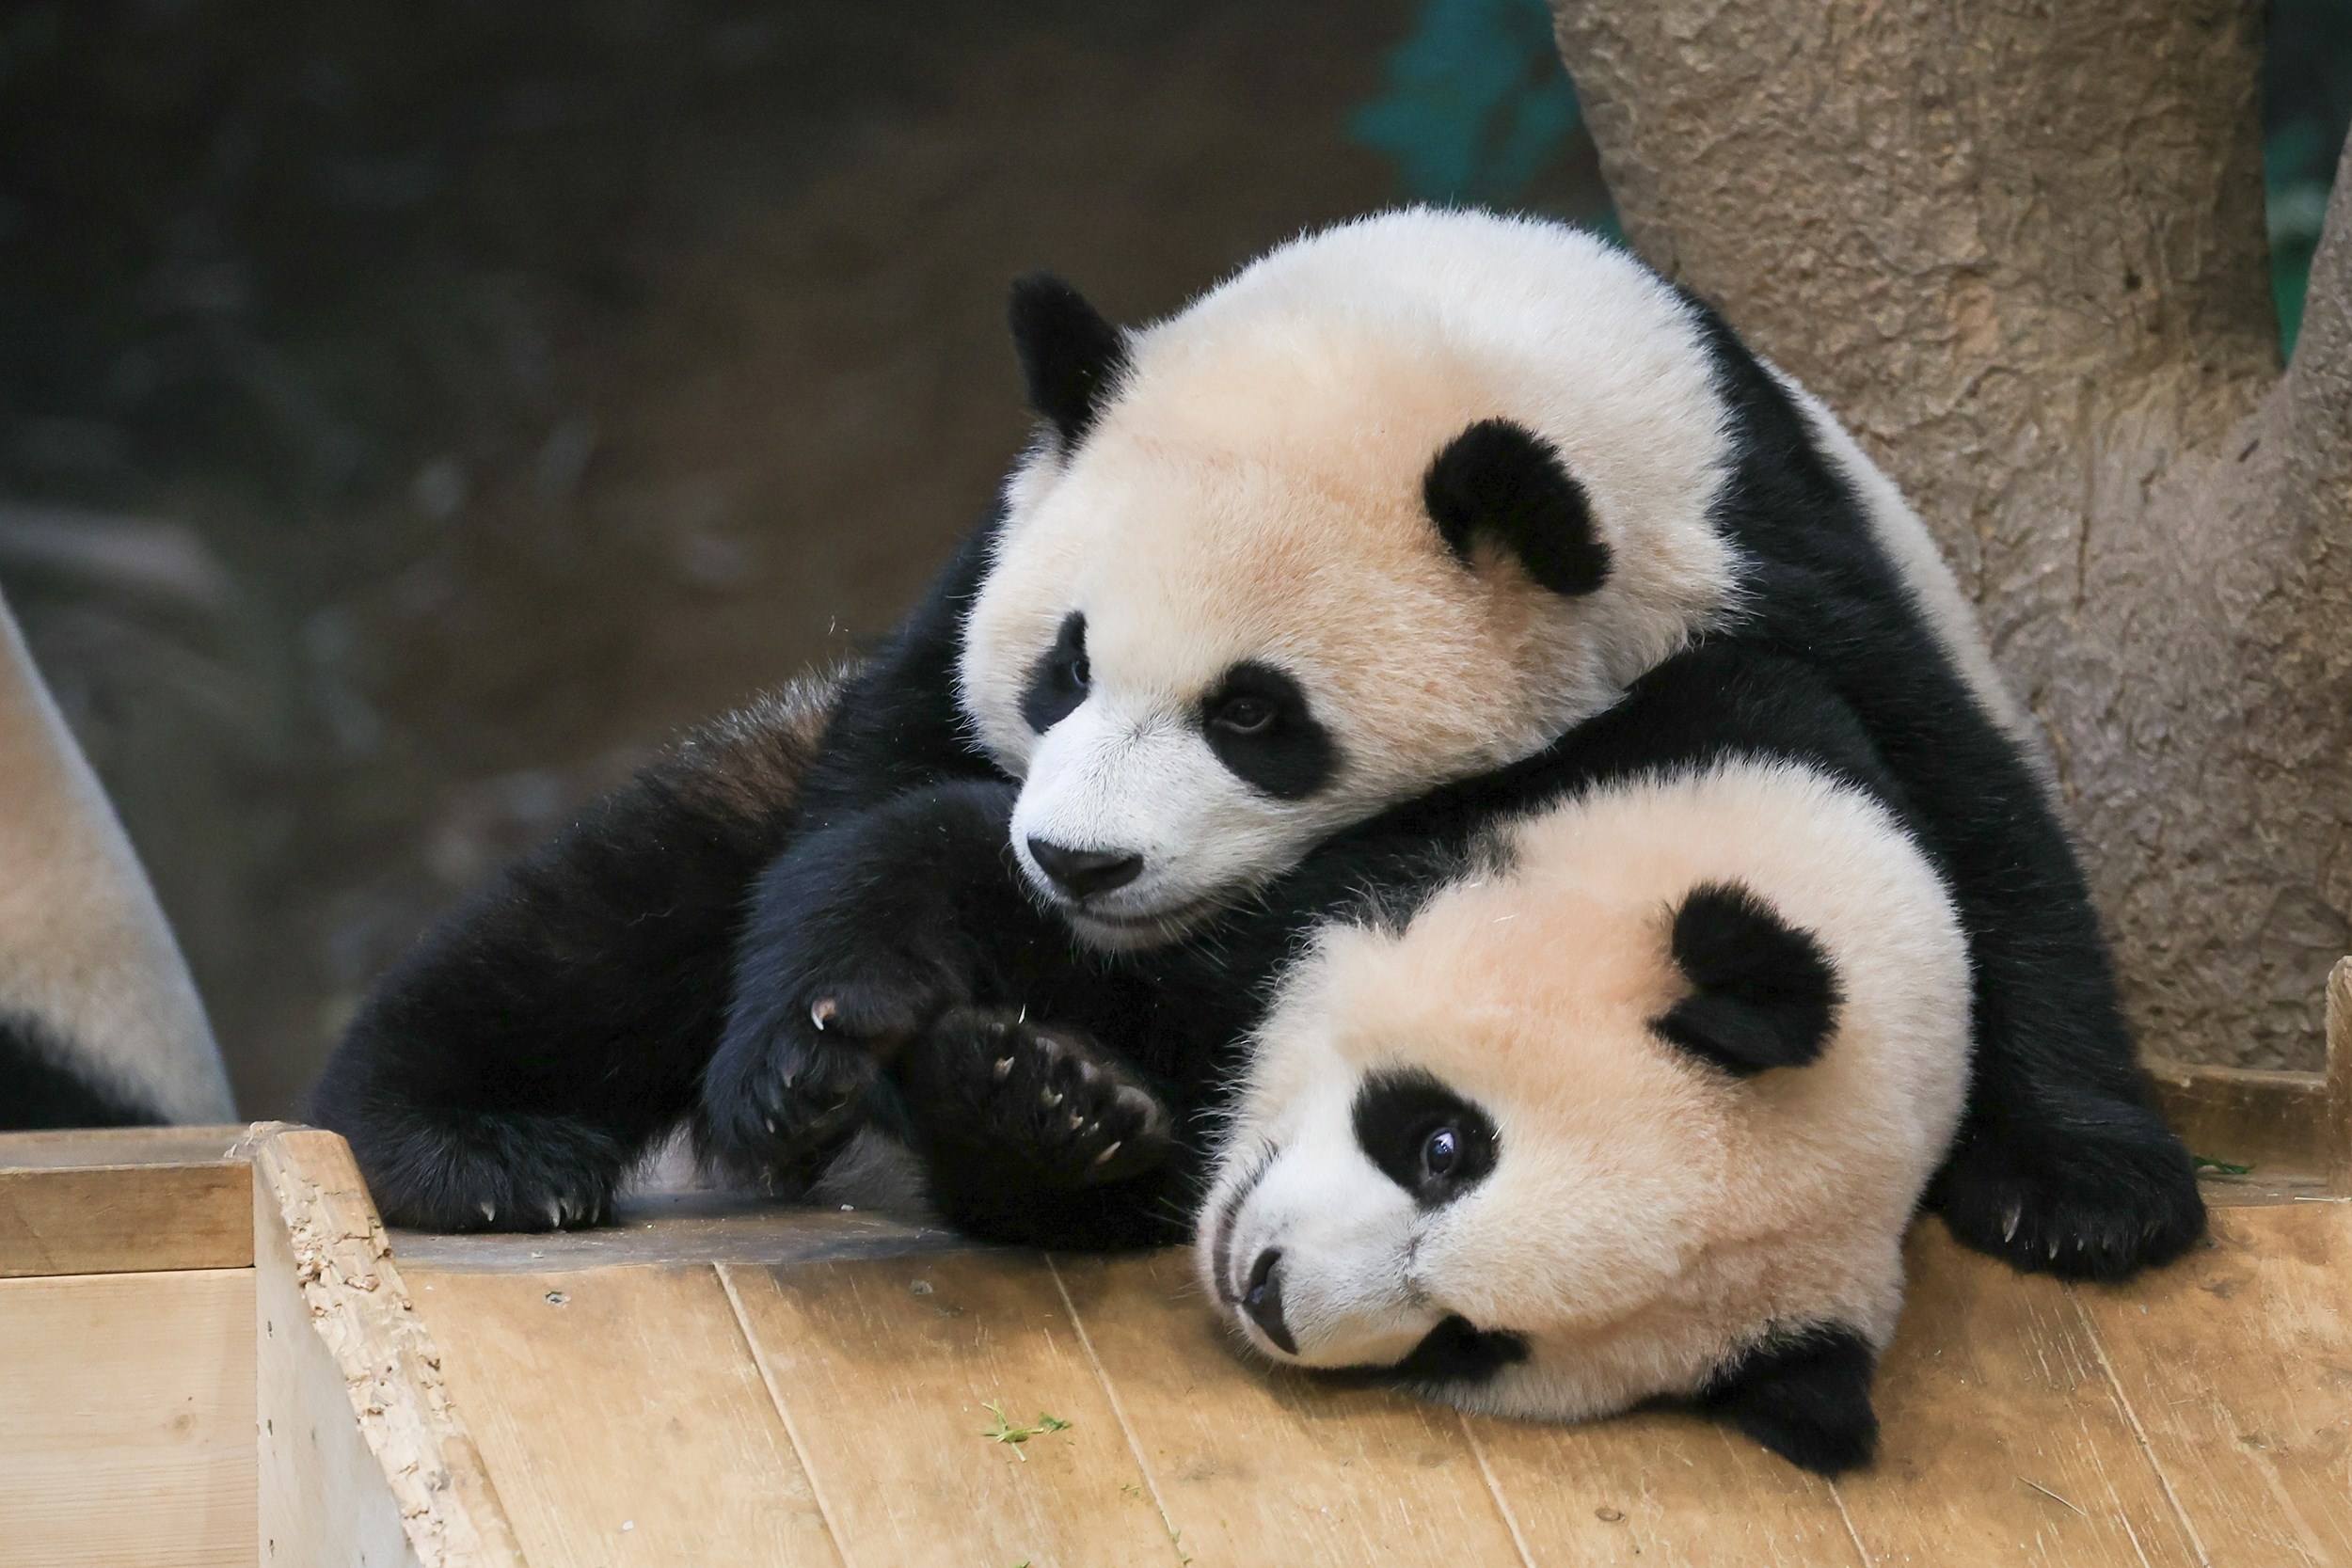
<point>1258,723</point>
<point>1424,1136</point>
<point>1451,1355</point>
<point>1058,683</point>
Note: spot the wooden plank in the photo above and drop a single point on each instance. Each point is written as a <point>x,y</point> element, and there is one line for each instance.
<point>623,1419</point>
<point>118,1145</point>
<point>684,1228</point>
<point>1660,1489</point>
<point>2339,1165</point>
<point>2005,1441</point>
<point>323,1496</point>
<point>2236,1363</point>
<point>380,1350</point>
<point>2255,1190</point>
<point>126,1219</point>
<point>882,1369</point>
<point>1250,1462</point>
<point>2275,1121</point>
<point>126,1419</point>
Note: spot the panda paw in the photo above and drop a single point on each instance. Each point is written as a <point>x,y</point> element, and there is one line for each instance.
<point>988,1084</point>
<point>2104,1193</point>
<point>486,1172</point>
<point>850,949</point>
<point>777,1102</point>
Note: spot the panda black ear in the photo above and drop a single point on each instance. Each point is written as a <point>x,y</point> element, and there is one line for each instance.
<point>1501,481</point>
<point>1763,994</point>
<point>1070,355</point>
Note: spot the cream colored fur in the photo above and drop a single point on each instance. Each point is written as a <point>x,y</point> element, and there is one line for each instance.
<point>1253,491</point>
<point>83,948</point>
<point>1649,1215</point>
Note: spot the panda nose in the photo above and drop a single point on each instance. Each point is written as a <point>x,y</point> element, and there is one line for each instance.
<point>1263,1300</point>
<point>1083,873</point>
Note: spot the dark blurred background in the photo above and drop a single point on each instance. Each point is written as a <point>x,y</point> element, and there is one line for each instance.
<point>412,412</point>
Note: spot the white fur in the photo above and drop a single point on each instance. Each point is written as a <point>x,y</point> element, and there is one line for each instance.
<point>83,949</point>
<point>1649,1215</point>
<point>1253,491</point>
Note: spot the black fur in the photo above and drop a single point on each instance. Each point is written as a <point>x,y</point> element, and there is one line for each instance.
<point>1014,1107</point>
<point>1174,1018</point>
<point>537,1040</point>
<point>1058,683</point>
<point>528,1049</point>
<point>1763,992</point>
<point>1070,357</point>
<point>1394,1114</point>
<point>41,1086</point>
<point>2062,1161</point>
<point>1454,1355</point>
<point>858,939</point>
<point>1502,482</point>
<point>1261,726</point>
<point>1806,1396</point>
<point>913,922</point>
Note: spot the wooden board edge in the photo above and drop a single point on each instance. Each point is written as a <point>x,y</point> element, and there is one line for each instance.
<point>75,1147</point>
<point>306,1181</point>
<point>2339,1134</point>
<point>125,1218</point>
<point>320,1495</point>
<point>2275,1121</point>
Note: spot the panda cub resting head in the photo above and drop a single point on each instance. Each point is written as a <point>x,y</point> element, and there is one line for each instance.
<point>1639,1105</point>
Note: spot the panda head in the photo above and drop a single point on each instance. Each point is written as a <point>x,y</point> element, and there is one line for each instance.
<point>1399,504</point>
<point>1651,1096</point>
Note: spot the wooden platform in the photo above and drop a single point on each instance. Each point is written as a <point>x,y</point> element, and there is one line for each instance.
<point>211,1364</point>
<point>825,1392</point>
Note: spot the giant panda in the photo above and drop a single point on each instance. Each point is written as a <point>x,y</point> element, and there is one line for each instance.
<point>100,1021</point>
<point>1365,542</point>
<point>1637,1105</point>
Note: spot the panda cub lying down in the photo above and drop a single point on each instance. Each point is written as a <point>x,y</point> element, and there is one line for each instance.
<point>1639,1105</point>
<point>1414,525</point>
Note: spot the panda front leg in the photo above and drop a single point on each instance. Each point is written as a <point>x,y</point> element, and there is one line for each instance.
<point>1034,1134</point>
<point>858,938</point>
<point>540,1038</point>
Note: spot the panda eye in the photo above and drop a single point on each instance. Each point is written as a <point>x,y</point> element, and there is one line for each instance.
<point>1424,1138</point>
<point>1258,722</point>
<point>1058,682</point>
<point>1245,714</point>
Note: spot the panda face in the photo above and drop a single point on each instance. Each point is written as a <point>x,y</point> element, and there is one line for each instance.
<point>1220,663</point>
<point>1668,1073</point>
<point>1379,1200</point>
<point>1341,532</point>
<point>1261,669</point>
